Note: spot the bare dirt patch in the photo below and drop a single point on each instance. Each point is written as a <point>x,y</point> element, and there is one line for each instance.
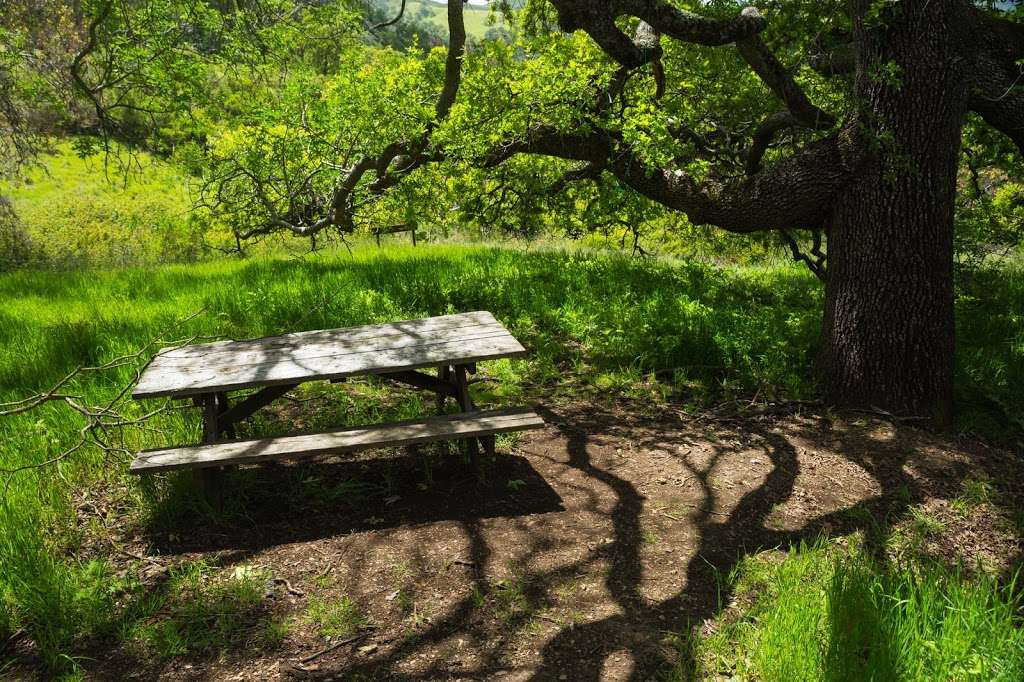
<point>576,555</point>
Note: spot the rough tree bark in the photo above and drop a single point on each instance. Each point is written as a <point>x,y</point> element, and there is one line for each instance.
<point>888,332</point>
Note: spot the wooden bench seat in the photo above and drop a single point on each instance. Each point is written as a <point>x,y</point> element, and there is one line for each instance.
<point>411,432</point>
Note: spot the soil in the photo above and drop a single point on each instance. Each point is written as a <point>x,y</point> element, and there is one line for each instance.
<point>578,554</point>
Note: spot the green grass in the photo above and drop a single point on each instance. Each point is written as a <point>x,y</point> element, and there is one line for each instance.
<point>827,613</point>
<point>202,610</point>
<point>594,323</point>
<point>335,618</point>
<point>77,211</point>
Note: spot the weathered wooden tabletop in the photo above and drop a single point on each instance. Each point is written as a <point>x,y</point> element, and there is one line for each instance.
<point>326,354</point>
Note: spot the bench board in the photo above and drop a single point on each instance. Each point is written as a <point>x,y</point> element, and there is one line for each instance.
<point>446,427</point>
<point>327,354</point>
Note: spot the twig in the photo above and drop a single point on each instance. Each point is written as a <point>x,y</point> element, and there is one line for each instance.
<point>334,646</point>
<point>104,423</point>
<point>288,586</point>
<point>146,559</point>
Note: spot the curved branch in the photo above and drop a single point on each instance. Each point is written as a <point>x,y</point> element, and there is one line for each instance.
<point>781,82</point>
<point>385,24</point>
<point>91,43</point>
<point>998,93</point>
<point>775,123</point>
<point>453,62</point>
<point>591,171</point>
<point>817,264</point>
<point>796,193</point>
<point>598,20</point>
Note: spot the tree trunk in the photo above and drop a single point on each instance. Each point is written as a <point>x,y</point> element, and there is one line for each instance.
<point>888,332</point>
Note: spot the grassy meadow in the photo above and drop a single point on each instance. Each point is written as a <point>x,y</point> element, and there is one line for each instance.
<point>80,212</point>
<point>694,334</point>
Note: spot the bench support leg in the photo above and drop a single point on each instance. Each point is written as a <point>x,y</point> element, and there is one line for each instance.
<point>444,375</point>
<point>470,446</point>
<point>211,481</point>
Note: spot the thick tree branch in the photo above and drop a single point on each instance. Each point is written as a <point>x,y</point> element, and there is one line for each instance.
<point>998,93</point>
<point>598,20</point>
<point>794,193</point>
<point>781,82</point>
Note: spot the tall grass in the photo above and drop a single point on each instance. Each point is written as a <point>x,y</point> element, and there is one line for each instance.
<point>591,321</point>
<point>825,613</point>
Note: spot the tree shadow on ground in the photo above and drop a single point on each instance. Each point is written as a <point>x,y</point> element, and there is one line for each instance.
<point>581,651</point>
<point>274,515</point>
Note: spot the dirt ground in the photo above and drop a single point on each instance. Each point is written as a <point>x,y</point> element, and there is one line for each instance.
<point>581,552</point>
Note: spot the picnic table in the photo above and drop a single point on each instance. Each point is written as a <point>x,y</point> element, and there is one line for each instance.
<point>208,373</point>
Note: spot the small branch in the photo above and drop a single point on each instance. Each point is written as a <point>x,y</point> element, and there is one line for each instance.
<point>815,264</point>
<point>336,645</point>
<point>385,24</point>
<point>104,423</point>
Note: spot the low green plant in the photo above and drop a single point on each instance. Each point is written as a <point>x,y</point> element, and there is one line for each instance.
<point>335,617</point>
<point>975,491</point>
<point>207,609</point>
<point>925,524</point>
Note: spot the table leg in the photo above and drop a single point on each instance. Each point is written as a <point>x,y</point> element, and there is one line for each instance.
<point>223,405</point>
<point>466,405</point>
<point>444,373</point>
<point>210,481</point>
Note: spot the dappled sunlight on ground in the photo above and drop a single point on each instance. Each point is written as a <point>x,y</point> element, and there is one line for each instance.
<point>575,558</point>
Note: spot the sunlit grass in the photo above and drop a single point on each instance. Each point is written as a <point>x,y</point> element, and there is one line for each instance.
<point>828,613</point>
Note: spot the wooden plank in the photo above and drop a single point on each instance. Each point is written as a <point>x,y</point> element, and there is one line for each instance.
<point>411,432</point>
<point>326,354</point>
<point>249,351</point>
<point>321,350</point>
<point>182,382</point>
<point>421,327</point>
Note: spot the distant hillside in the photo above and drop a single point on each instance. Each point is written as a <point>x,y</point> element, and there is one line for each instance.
<point>437,13</point>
